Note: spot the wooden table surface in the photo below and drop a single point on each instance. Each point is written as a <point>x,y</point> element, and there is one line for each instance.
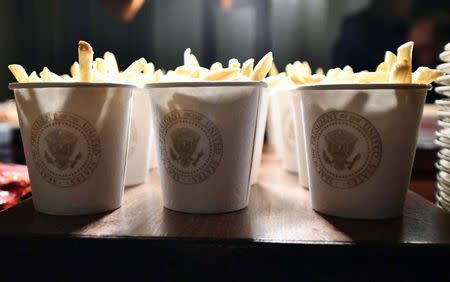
<point>278,224</point>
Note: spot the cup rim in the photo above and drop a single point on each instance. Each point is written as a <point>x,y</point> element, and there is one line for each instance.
<point>26,85</point>
<point>204,84</point>
<point>366,86</point>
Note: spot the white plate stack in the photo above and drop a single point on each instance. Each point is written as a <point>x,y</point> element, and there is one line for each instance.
<point>443,135</point>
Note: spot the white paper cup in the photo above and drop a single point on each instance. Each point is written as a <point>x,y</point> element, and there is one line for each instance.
<point>152,156</point>
<point>206,136</point>
<point>302,164</point>
<point>273,131</point>
<point>139,145</point>
<point>260,130</point>
<point>360,146</point>
<point>75,139</point>
<point>285,124</point>
<point>153,163</point>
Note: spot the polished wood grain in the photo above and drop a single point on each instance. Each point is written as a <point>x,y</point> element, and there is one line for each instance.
<point>279,212</point>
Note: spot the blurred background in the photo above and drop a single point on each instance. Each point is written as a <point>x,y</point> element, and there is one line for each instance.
<point>327,33</point>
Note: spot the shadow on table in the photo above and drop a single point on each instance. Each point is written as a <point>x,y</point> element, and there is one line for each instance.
<point>421,223</point>
<point>360,230</point>
<point>231,225</point>
<point>24,220</point>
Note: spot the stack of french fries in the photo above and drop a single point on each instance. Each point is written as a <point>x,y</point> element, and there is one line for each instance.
<point>192,71</point>
<point>105,69</point>
<point>394,69</point>
<point>89,70</point>
<point>296,73</point>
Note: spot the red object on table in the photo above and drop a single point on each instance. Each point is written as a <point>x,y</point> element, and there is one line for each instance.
<point>14,185</point>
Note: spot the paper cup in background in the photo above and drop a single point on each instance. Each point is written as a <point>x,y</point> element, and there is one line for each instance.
<point>206,137</point>
<point>300,139</point>
<point>75,139</point>
<point>153,163</point>
<point>273,131</point>
<point>360,146</point>
<point>152,156</point>
<point>152,151</point>
<point>285,123</point>
<point>139,145</point>
<point>260,130</point>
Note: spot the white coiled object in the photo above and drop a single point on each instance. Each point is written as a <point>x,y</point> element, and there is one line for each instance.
<point>443,135</point>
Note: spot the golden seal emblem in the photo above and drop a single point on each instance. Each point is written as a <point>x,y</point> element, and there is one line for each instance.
<point>191,146</point>
<point>346,149</point>
<point>65,148</point>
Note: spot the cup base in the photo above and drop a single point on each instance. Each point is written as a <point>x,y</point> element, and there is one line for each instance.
<point>75,212</point>
<point>136,183</point>
<point>206,212</point>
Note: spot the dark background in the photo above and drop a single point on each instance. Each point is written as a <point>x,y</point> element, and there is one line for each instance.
<point>327,33</point>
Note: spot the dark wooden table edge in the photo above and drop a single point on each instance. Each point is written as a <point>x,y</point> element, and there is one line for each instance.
<point>127,259</point>
<point>222,242</point>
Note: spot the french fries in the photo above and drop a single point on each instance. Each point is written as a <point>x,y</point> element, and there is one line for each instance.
<point>157,76</point>
<point>347,70</point>
<point>133,70</point>
<point>100,65</point>
<point>396,68</point>
<point>223,74</point>
<point>247,67</point>
<point>19,73</point>
<point>389,59</point>
<point>187,57</point>
<point>262,68</point>
<point>111,63</point>
<point>273,70</point>
<point>149,69</point>
<point>425,75</point>
<point>99,70</point>
<point>188,71</point>
<point>194,61</point>
<point>75,70</point>
<point>382,67</point>
<point>297,73</point>
<point>34,77</point>
<point>280,80</point>
<point>401,71</point>
<point>67,78</point>
<point>85,58</point>
<point>47,76</point>
<point>235,71</point>
<point>234,63</point>
<point>216,66</point>
<point>88,69</point>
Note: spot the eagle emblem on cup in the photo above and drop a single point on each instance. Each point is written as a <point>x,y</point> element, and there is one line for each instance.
<point>340,145</point>
<point>185,142</point>
<point>61,146</point>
